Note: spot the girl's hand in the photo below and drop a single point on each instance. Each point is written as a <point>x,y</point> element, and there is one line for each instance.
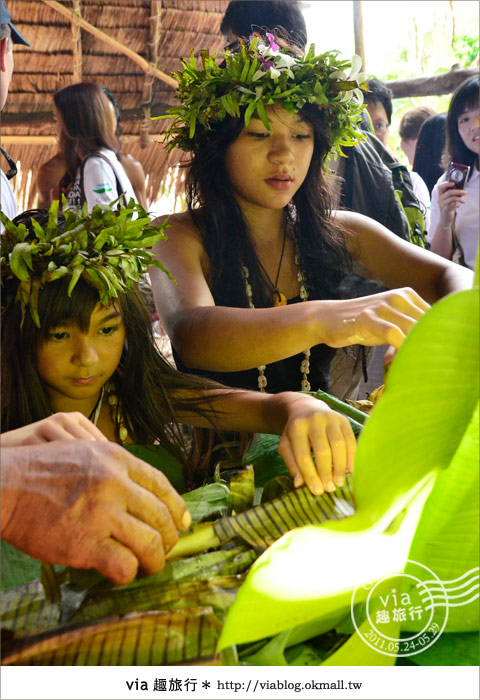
<point>60,426</point>
<point>448,200</point>
<point>312,426</point>
<point>377,319</point>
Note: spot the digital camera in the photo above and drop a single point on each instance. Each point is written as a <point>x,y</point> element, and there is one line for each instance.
<point>458,174</point>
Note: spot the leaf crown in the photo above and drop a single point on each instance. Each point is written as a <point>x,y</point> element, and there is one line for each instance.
<point>260,74</point>
<point>108,248</point>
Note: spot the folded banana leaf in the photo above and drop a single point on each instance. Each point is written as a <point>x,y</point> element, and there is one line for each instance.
<point>216,592</point>
<point>180,584</point>
<point>138,639</point>
<point>242,490</point>
<point>262,525</point>
<point>93,622</point>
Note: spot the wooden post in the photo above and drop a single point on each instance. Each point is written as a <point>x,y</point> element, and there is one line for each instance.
<point>77,43</point>
<point>358,30</point>
<point>152,54</point>
<point>153,39</point>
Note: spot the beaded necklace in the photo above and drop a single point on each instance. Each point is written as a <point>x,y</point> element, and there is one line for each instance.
<point>305,363</point>
<point>116,410</point>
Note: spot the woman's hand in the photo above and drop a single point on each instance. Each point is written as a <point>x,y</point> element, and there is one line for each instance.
<point>60,426</point>
<point>448,200</point>
<point>313,427</point>
<point>377,319</point>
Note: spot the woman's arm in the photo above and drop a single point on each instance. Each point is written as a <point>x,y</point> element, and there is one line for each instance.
<point>136,175</point>
<point>305,424</point>
<point>397,263</point>
<point>229,339</point>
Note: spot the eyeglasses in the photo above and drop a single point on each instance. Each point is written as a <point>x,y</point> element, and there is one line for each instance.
<point>11,164</point>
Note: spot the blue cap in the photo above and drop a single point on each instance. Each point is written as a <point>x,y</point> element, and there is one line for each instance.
<point>5,18</point>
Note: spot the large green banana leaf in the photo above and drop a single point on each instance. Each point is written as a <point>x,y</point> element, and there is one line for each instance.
<point>422,427</point>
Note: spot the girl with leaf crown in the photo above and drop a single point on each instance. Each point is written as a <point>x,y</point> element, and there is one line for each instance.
<point>265,266</point>
<point>77,341</point>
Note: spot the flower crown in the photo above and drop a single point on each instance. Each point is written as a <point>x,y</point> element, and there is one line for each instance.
<point>261,74</point>
<point>107,248</point>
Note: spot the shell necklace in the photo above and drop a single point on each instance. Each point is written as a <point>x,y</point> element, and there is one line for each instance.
<point>305,363</point>
<point>115,408</point>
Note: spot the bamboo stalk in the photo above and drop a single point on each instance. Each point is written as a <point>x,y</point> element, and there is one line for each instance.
<point>146,66</point>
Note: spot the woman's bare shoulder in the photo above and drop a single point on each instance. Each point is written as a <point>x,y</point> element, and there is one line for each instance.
<point>179,224</point>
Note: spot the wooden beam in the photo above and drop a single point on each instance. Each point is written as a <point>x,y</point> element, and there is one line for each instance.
<point>358,31</point>
<point>32,140</point>
<point>145,65</point>
<point>77,43</point>
<point>40,119</point>
<point>442,84</point>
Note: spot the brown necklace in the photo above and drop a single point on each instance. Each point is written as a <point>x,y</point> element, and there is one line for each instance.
<point>278,298</point>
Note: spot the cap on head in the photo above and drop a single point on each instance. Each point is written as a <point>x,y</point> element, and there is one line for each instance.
<point>5,18</point>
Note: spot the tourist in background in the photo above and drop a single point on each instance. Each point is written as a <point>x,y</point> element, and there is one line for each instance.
<point>455,210</point>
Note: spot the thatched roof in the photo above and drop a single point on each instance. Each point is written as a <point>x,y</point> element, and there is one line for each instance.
<point>61,53</point>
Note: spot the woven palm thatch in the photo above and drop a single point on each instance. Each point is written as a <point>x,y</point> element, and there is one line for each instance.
<point>63,52</point>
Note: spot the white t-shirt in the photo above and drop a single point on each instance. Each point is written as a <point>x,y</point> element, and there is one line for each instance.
<point>8,203</point>
<point>99,181</point>
<point>421,192</point>
<point>466,218</point>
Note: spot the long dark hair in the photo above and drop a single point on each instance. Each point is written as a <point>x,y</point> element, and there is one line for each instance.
<point>430,146</point>
<point>224,231</point>
<point>464,98</point>
<point>150,390</point>
<point>86,125</point>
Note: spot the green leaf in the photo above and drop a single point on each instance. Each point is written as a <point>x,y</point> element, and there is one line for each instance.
<point>262,114</point>
<point>156,638</point>
<point>451,650</point>
<point>249,111</point>
<point>207,500</point>
<point>242,490</point>
<point>163,460</point>
<point>20,261</point>
<point>264,524</point>
<point>400,456</point>
<point>76,274</point>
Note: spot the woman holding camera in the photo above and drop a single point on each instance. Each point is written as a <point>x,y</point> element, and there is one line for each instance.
<point>454,213</point>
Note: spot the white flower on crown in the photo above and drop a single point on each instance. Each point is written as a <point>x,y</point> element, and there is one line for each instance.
<point>354,74</point>
<point>273,61</point>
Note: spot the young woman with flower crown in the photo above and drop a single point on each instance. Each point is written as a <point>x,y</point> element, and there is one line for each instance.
<point>77,342</point>
<point>265,268</point>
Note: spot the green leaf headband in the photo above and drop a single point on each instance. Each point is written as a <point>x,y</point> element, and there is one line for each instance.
<point>108,248</point>
<point>260,75</point>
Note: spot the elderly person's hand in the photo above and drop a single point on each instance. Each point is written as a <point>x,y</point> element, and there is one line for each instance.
<point>89,504</point>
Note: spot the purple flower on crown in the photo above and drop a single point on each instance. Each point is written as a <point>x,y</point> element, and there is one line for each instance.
<point>266,64</point>
<point>271,39</point>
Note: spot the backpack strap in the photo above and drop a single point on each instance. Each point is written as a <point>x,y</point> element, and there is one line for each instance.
<point>98,154</point>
